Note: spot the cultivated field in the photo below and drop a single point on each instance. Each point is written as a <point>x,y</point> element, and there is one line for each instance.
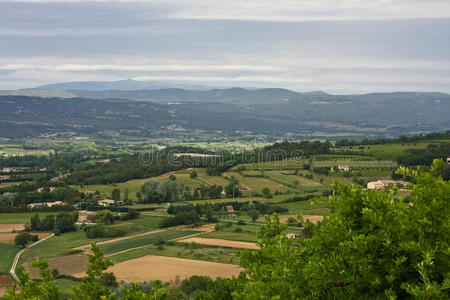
<point>170,269</point>
<point>220,243</point>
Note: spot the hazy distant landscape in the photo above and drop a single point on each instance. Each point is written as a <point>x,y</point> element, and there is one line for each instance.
<point>224,112</point>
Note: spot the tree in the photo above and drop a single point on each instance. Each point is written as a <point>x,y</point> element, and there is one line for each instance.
<point>115,194</point>
<point>254,214</point>
<point>172,177</point>
<point>91,287</point>
<point>266,192</point>
<point>232,189</point>
<point>65,222</point>
<point>104,216</point>
<point>373,246</point>
<point>23,238</point>
<point>193,174</point>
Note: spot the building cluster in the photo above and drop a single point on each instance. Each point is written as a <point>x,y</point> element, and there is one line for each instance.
<point>383,184</point>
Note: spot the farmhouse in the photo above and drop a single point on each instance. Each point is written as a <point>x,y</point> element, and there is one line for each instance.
<point>448,160</point>
<point>230,210</point>
<point>52,188</point>
<point>382,184</point>
<point>341,168</point>
<point>85,216</point>
<point>109,202</point>
<point>46,204</point>
<point>292,235</point>
<point>87,192</point>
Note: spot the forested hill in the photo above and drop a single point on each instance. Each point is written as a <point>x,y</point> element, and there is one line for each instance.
<point>269,111</point>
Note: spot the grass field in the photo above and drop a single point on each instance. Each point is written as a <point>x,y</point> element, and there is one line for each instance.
<point>287,164</point>
<point>20,218</point>
<point>189,251</point>
<point>366,164</point>
<point>144,240</point>
<point>257,184</point>
<point>8,252</point>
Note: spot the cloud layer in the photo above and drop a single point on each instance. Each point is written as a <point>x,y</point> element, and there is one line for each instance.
<point>340,46</point>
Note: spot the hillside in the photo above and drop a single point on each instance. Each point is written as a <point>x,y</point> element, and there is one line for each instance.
<point>266,111</point>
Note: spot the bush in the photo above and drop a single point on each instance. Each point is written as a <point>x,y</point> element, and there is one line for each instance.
<point>23,238</point>
<point>238,229</point>
<point>130,215</point>
<point>108,279</point>
<point>102,231</point>
<point>104,216</point>
<point>182,218</point>
<point>241,222</point>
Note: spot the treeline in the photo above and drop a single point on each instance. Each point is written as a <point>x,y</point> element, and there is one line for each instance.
<point>204,209</point>
<point>67,195</point>
<point>61,223</point>
<point>279,151</point>
<point>401,139</point>
<point>423,157</point>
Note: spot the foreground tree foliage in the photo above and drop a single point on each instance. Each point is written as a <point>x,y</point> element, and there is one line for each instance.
<point>374,246</point>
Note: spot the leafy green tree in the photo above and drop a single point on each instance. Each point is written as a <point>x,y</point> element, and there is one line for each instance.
<point>266,192</point>
<point>115,194</point>
<point>91,287</point>
<point>104,216</point>
<point>193,174</point>
<point>373,246</point>
<point>23,238</point>
<point>254,214</point>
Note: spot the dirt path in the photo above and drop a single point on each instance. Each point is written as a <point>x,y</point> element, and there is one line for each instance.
<point>85,247</point>
<point>16,259</point>
<point>220,243</point>
<point>169,269</point>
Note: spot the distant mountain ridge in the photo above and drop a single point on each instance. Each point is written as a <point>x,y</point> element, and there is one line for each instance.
<point>274,112</point>
<point>119,85</point>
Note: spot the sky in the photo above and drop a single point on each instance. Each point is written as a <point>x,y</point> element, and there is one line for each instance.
<point>336,46</point>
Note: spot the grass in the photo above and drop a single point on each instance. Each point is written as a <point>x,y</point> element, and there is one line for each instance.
<point>358,164</point>
<point>57,245</point>
<point>144,240</point>
<point>188,251</point>
<point>308,207</point>
<point>257,184</point>
<point>287,164</point>
<point>19,218</point>
<point>8,252</point>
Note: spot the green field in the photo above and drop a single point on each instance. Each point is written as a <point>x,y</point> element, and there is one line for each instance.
<point>287,164</point>
<point>144,240</point>
<point>188,251</point>
<point>19,218</point>
<point>358,164</point>
<point>8,252</point>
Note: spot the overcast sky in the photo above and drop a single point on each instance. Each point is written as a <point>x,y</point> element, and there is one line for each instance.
<point>337,46</point>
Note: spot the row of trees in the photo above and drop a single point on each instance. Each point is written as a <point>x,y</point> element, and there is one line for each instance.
<point>62,222</point>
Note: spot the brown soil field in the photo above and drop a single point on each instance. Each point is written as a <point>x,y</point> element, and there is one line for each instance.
<point>169,269</point>
<point>8,238</point>
<point>10,227</point>
<point>75,265</point>
<point>220,243</point>
<point>313,218</point>
<point>5,283</point>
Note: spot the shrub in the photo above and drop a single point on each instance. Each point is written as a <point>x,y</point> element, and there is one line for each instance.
<point>131,214</point>
<point>241,222</point>
<point>238,229</point>
<point>102,231</point>
<point>104,216</point>
<point>23,238</point>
